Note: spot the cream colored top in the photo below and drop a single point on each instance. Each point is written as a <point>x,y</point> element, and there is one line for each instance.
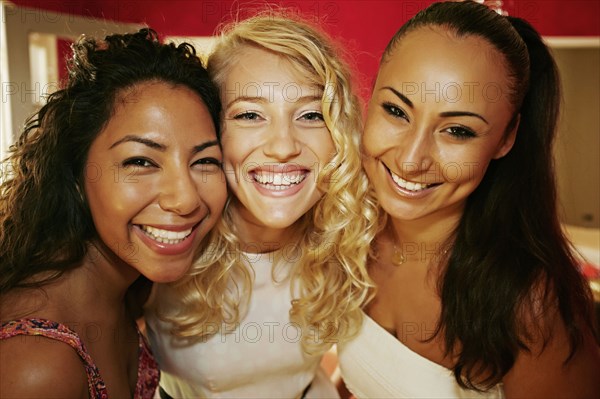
<point>376,365</point>
<point>260,358</point>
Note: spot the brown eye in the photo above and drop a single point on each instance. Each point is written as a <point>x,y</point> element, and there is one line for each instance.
<point>138,162</point>
<point>312,116</point>
<point>394,111</point>
<point>461,132</point>
<point>249,116</point>
<point>208,161</point>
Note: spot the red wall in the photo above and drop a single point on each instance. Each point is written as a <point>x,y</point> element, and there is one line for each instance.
<point>363,26</point>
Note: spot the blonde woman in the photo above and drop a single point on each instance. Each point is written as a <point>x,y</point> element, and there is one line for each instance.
<point>283,277</point>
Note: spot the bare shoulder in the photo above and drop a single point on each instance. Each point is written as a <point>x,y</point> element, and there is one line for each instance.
<point>39,367</point>
<point>545,372</point>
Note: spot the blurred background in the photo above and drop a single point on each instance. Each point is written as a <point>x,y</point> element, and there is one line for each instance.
<point>36,35</point>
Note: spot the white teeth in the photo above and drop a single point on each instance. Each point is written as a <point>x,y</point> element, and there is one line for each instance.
<point>166,236</point>
<point>408,185</point>
<point>279,181</point>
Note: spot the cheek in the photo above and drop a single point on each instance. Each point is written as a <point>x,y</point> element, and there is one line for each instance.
<point>464,163</point>
<point>214,192</point>
<point>232,169</point>
<point>475,172</point>
<point>370,165</point>
<point>231,165</point>
<point>112,193</point>
<point>372,141</point>
<point>235,153</point>
<point>323,147</point>
<point>101,197</point>
<point>325,157</point>
<point>106,211</point>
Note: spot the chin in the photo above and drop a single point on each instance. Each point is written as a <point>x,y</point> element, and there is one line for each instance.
<point>167,278</point>
<point>167,273</point>
<point>400,213</point>
<point>277,223</point>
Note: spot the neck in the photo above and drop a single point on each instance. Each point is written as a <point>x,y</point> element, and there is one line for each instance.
<point>94,292</point>
<point>112,275</point>
<point>101,283</point>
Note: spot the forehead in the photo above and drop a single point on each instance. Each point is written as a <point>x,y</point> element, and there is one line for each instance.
<point>158,94</point>
<point>264,68</point>
<point>159,108</point>
<point>436,58</point>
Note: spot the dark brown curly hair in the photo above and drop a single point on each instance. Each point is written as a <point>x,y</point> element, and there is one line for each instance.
<point>45,223</point>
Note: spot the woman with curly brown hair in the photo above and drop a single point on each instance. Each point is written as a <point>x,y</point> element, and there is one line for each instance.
<point>115,181</point>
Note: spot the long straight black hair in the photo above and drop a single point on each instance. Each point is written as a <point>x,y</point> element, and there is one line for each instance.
<point>510,262</point>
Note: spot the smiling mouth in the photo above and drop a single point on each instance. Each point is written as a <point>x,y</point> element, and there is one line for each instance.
<point>410,185</point>
<point>279,181</point>
<point>166,236</point>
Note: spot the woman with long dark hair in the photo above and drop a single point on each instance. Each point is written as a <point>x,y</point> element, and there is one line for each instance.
<point>114,182</point>
<point>478,291</point>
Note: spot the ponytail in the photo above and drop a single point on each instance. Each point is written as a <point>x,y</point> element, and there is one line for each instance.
<point>510,263</point>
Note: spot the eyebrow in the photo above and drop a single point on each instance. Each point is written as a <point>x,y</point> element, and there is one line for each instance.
<point>400,96</point>
<point>204,146</point>
<point>254,99</point>
<point>443,114</point>
<point>161,147</point>
<point>262,100</point>
<point>308,99</point>
<point>463,113</point>
<point>137,139</point>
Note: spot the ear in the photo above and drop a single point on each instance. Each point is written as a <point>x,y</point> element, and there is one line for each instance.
<point>507,142</point>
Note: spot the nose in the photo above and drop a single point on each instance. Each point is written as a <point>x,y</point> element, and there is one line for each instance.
<point>282,143</point>
<point>180,193</point>
<point>415,152</point>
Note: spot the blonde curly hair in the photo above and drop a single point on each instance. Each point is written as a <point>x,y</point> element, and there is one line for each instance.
<point>330,278</point>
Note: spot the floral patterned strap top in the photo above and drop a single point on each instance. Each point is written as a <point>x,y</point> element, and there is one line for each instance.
<point>147,376</point>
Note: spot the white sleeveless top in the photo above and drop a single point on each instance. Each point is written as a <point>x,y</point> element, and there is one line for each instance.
<point>261,358</point>
<point>376,365</point>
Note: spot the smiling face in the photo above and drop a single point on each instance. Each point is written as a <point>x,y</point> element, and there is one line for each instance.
<point>153,179</point>
<point>435,121</point>
<point>275,141</point>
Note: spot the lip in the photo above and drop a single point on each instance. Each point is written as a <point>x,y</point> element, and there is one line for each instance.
<point>407,193</point>
<point>171,227</point>
<point>280,169</point>
<point>294,188</point>
<point>165,248</point>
